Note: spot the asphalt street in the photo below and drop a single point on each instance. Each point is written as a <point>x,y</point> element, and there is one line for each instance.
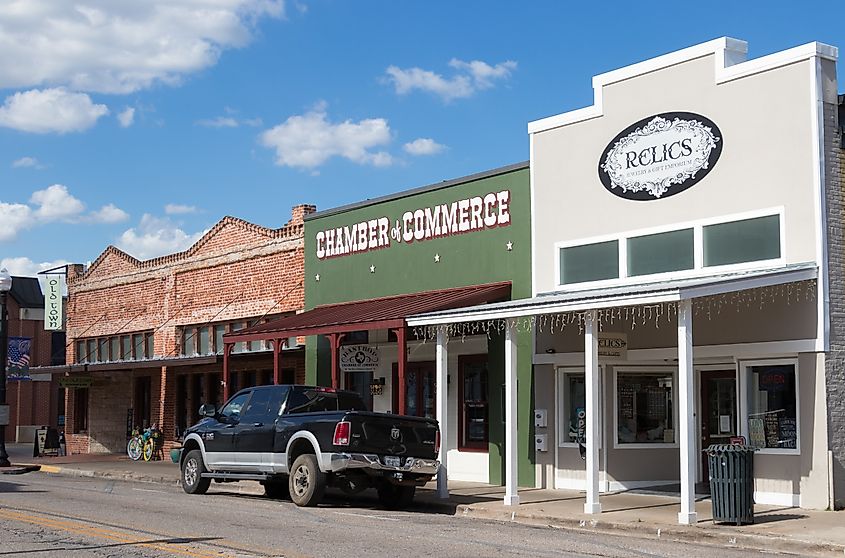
<point>48,515</point>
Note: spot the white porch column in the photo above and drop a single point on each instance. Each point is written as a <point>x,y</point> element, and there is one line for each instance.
<point>686,408</point>
<point>591,371</point>
<point>442,362</point>
<point>511,495</point>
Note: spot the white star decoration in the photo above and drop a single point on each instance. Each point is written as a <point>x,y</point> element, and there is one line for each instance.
<point>317,277</point>
<point>509,245</point>
<point>436,258</point>
<point>372,269</point>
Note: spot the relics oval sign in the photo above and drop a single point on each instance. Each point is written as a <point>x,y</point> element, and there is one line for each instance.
<point>660,156</point>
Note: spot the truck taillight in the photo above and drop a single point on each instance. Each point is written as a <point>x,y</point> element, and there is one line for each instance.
<point>341,433</point>
<point>437,442</point>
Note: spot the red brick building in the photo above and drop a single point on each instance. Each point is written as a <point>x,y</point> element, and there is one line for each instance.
<point>145,337</point>
<point>38,400</point>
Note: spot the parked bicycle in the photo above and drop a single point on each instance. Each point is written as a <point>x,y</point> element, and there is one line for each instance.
<point>147,444</point>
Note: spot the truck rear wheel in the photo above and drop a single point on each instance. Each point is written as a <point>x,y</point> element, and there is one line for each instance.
<point>395,497</point>
<point>307,482</point>
<point>192,470</point>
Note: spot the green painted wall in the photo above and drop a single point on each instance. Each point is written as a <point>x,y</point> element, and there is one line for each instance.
<point>469,258</point>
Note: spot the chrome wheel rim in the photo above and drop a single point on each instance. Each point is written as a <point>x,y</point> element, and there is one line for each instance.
<point>190,474</point>
<point>301,480</point>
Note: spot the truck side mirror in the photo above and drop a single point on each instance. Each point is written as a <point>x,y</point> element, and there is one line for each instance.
<point>208,410</point>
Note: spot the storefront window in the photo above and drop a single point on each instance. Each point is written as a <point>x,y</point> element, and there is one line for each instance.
<point>773,406</point>
<point>660,253</point>
<point>472,400</point>
<point>589,262</point>
<point>645,408</point>
<point>204,343</point>
<point>749,240</point>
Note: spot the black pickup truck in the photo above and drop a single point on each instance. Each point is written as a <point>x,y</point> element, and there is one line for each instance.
<point>296,440</point>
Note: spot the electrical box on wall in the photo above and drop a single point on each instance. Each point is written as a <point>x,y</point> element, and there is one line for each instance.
<point>540,442</point>
<point>540,418</point>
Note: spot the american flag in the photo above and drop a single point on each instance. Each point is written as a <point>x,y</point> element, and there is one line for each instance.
<point>19,352</point>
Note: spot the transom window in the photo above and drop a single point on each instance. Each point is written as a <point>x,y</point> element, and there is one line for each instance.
<point>129,346</point>
<point>697,247</point>
<point>207,339</point>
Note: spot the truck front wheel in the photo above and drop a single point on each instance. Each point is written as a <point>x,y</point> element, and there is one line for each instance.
<point>307,482</point>
<point>192,470</point>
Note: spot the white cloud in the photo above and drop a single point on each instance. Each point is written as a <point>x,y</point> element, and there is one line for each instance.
<point>50,205</point>
<point>26,162</point>
<point>423,146</point>
<point>470,77</point>
<point>50,111</point>
<point>309,140</point>
<point>56,203</point>
<point>155,237</point>
<point>24,267</point>
<point>14,217</point>
<point>126,117</point>
<point>120,47</point>
<point>219,122</point>
<point>178,209</point>
<point>108,214</point>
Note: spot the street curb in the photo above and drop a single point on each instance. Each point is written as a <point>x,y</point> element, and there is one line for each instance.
<point>19,469</point>
<point>712,536</point>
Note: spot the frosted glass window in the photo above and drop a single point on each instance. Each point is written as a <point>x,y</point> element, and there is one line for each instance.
<point>114,348</point>
<point>219,330</point>
<point>127,348</point>
<point>589,262</point>
<point>660,253</point>
<point>150,346</point>
<point>749,240</point>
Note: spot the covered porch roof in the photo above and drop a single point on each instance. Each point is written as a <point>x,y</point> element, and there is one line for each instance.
<point>379,313</point>
<point>625,295</point>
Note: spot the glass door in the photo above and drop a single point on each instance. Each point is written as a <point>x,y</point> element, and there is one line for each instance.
<point>718,410</point>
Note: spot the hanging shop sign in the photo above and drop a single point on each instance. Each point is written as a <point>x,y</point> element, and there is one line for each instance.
<point>613,346</point>
<point>53,303</point>
<point>358,358</point>
<point>75,381</point>
<point>660,156</point>
<point>448,219</point>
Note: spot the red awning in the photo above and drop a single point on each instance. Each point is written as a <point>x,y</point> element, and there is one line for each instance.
<point>379,313</point>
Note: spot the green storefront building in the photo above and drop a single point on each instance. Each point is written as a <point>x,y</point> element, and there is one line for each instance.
<point>370,265</point>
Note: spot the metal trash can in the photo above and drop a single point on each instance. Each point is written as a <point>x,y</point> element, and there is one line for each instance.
<point>731,482</point>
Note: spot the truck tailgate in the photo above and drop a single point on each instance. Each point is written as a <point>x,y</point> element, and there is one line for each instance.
<point>386,434</point>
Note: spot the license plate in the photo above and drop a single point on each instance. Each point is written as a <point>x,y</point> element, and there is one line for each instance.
<point>392,461</point>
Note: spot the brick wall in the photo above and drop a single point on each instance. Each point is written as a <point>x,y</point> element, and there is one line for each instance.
<point>236,271</point>
<point>835,359</point>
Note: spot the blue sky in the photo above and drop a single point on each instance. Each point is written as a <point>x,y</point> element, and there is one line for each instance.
<point>142,126</point>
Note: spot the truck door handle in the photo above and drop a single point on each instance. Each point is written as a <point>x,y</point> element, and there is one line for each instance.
<point>258,424</point>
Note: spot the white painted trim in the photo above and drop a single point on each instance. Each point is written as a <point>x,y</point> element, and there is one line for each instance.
<point>743,394</point>
<point>644,370</point>
<point>820,202</point>
<point>698,270</point>
<point>777,499</point>
<point>533,221</point>
<point>729,64</point>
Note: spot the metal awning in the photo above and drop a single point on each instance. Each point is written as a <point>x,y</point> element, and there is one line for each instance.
<point>626,295</point>
<point>379,313</point>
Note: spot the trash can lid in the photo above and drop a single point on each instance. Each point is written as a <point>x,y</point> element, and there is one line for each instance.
<point>713,449</point>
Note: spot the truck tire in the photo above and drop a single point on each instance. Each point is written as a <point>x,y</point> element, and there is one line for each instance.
<point>395,497</point>
<point>307,482</point>
<point>192,470</point>
<point>277,489</point>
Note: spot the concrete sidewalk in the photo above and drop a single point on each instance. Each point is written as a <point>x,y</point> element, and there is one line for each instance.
<point>640,513</point>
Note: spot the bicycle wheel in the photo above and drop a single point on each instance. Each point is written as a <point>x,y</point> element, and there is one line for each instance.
<point>149,447</point>
<point>134,449</point>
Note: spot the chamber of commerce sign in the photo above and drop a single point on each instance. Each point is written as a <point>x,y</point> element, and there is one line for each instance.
<point>660,156</point>
<point>458,217</point>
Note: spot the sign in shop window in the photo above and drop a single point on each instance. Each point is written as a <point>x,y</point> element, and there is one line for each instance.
<point>645,408</point>
<point>773,406</point>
